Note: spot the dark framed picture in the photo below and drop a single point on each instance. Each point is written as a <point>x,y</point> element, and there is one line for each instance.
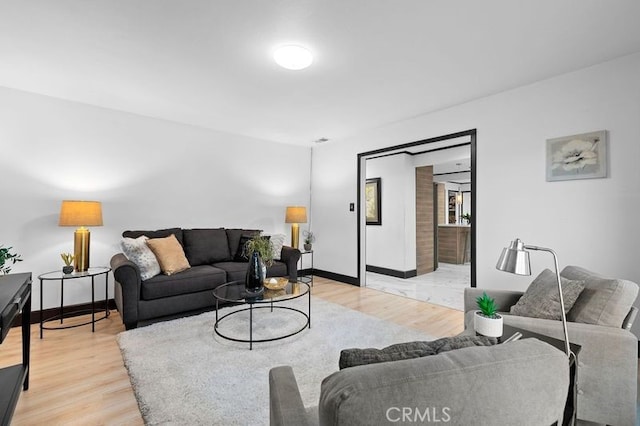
<point>373,201</point>
<point>451,202</point>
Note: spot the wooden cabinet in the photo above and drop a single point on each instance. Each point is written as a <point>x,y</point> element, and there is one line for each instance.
<point>454,244</point>
<point>15,296</point>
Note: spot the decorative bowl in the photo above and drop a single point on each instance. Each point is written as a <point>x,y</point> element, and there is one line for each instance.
<point>276,283</point>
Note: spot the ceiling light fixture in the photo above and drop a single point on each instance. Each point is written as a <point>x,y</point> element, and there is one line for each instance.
<point>293,57</point>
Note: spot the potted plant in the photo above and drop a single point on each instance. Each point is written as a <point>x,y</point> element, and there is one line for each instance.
<point>260,253</point>
<point>467,217</point>
<point>67,258</point>
<point>263,246</point>
<point>309,239</point>
<point>5,257</point>
<point>486,320</point>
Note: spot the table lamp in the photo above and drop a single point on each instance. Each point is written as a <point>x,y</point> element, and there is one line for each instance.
<point>515,259</point>
<point>294,216</point>
<point>81,214</point>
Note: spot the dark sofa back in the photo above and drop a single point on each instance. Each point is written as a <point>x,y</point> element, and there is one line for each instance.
<point>161,233</point>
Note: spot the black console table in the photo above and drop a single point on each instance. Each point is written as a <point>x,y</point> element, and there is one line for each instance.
<point>15,296</point>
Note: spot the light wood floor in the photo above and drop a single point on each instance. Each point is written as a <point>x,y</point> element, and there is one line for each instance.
<point>77,377</point>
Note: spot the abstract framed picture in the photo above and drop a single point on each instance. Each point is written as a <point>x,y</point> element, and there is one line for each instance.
<point>581,156</point>
<point>373,201</point>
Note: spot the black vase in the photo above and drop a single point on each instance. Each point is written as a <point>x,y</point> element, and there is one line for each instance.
<point>254,280</point>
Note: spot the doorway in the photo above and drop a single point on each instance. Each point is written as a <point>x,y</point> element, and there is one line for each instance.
<point>420,154</point>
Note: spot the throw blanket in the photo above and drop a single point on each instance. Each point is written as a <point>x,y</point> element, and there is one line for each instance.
<point>400,351</point>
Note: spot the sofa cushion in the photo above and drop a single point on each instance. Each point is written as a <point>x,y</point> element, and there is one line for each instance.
<point>542,300</point>
<point>169,253</point>
<point>408,350</point>
<point>198,278</point>
<point>236,271</point>
<point>233,235</point>
<point>242,255</point>
<point>161,233</point>
<point>206,246</point>
<point>277,241</point>
<point>277,269</point>
<point>138,252</point>
<point>604,301</point>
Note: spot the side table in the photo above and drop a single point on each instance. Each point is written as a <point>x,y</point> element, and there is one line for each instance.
<point>59,276</point>
<point>307,278</point>
<point>570,409</point>
<point>15,296</point>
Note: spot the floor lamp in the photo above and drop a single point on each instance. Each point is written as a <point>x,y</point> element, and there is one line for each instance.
<point>515,259</point>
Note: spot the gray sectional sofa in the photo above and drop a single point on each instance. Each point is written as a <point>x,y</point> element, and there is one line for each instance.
<point>599,322</point>
<point>519,383</point>
<point>210,253</point>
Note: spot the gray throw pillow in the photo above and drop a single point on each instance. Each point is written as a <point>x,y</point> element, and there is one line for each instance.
<point>542,300</point>
<point>604,301</point>
<point>137,251</point>
<point>400,351</point>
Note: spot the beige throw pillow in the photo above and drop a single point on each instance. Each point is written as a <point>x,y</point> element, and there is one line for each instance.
<point>169,253</point>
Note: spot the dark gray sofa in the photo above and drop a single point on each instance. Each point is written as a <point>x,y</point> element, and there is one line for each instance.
<point>210,253</point>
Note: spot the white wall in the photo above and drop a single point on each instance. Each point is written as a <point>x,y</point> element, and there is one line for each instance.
<point>590,223</point>
<point>392,245</point>
<point>148,173</point>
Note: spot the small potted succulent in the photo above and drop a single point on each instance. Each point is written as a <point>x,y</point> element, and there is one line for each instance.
<point>67,258</point>
<point>486,320</point>
<point>7,257</point>
<point>467,217</point>
<point>309,238</point>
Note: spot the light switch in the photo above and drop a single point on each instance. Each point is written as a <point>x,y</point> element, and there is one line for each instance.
<point>352,207</point>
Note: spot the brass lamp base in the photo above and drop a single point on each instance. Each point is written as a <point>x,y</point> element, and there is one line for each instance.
<point>81,239</point>
<point>295,235</point>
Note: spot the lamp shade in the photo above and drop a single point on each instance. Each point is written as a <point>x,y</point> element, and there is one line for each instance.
<point>515,259</point>
<point>296,214</point>
<point>80,213</point>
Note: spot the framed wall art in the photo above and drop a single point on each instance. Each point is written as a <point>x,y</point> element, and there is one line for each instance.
<point>373,198</point>
<point>581,156</point>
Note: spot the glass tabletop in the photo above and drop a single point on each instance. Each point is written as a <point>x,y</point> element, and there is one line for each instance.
<point>91,272</point>
<point>235,292</point>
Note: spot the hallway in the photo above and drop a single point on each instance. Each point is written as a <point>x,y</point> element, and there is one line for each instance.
<point>444,287</point>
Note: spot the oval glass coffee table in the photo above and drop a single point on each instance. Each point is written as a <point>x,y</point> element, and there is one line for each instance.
<point>235,292</point>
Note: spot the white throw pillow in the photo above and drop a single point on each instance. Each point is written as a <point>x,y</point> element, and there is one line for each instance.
<point>277,241</point>
<point>138,252</point>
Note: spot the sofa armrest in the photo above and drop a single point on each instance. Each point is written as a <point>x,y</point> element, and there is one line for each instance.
<point>126,289</point>
<point>285,402</point>
<point>607,367</point>
<point>290,257</point>
<point>505,299</point>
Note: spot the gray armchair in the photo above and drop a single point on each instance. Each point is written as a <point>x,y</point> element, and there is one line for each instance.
<point>518,383</point>
<point>608,358</point>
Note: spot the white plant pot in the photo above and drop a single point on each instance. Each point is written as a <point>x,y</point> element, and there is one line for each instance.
<point>490,327</point>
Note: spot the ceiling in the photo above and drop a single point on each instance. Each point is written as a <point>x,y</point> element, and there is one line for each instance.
<point>208,62</point>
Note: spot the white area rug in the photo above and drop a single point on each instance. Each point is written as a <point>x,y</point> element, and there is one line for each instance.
<point>184,374</point>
